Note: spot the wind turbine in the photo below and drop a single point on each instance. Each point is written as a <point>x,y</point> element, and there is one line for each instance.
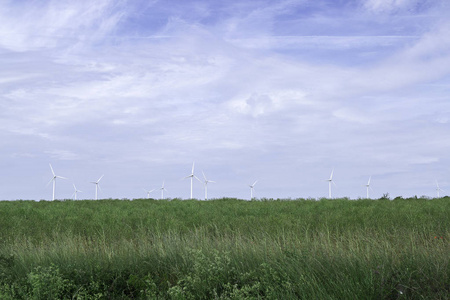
<point>54,181</point>
<point>251,189</point>
<point>438,189</point>
<point>162,191</point>
<point>330,180</point>
<point>97,186</point>
<point>368,187</point>
<point>148,193</point>
<point>192,176</point>
<point>206,185</point>
<point>74,195</point>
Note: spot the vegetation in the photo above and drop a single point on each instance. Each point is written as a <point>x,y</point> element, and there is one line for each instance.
<point>225,249</point>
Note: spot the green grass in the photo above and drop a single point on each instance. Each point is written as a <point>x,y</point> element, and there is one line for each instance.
<point>225,249</point>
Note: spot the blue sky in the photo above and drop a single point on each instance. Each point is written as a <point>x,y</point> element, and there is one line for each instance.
<point>276,91</point>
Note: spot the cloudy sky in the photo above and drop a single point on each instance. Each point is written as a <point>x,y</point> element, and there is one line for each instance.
<point>276,91</point>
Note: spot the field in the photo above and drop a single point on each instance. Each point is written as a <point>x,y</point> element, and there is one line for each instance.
<point>225,249</point>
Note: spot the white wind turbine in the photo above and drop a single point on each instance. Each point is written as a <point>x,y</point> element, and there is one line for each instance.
<point>162,191</point>
<point>251,189</point>
<point>330,180</point>
<point>97,186</point>
<point>148,192</point>
<point>54,181</point>
<point>205,182</point>
<point>192,176</point>
<point>368,187</point>
<point>74,195</point>
<point>438,189</point>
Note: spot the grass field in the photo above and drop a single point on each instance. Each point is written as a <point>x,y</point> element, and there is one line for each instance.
<point>225,249</point>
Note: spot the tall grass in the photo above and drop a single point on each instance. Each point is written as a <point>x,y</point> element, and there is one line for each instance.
<point>225,249</point>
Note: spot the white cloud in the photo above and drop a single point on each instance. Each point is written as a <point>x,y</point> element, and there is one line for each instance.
<point>352,115</point>
<point>62,155</point>
<point>223,88</point>
<point>52,24</point>
<point>256,104</point>
<point>389,5</point>
<point>322,42</point>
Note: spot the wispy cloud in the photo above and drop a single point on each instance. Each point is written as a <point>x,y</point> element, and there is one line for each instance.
<point>62,155</point>
<point>284,90</point>
<point>383,6</point>
<point>53,24</point>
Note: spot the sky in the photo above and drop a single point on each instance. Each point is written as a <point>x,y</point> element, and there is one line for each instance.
<point>282,92</point>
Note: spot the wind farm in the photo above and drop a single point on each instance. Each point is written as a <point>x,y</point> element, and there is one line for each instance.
<point>204,184</point>
<point>138,241</point>
<point>127,239</point>
<point>191,149</point>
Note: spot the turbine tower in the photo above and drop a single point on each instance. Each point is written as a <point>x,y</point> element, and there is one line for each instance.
<point>162,191</point>
<point>368,187</point>
<point>330,180</point>
<point>251,189</point>
<point>74,195</point>
<point>54,181</point>
<point>438,189</point>
<point>97,186</point>
<point>206,181</point>
<point>192,176</point>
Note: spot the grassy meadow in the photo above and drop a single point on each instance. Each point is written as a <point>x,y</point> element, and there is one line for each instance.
<point>225,249</point>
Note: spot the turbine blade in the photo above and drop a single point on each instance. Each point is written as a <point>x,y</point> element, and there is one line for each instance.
<point>204,176</point>
<point>368,183</point>
<point>254,183</point>
<point>61,177</point>
<point>50,181</point>
<point>52,170</point>
<point>193,167</point>
<point>197,179</point>
<point>100,178</point>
